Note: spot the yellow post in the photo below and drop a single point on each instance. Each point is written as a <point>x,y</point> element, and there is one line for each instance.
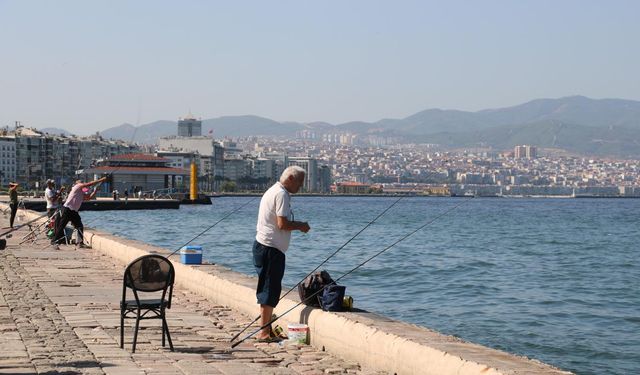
<point>193,194</point>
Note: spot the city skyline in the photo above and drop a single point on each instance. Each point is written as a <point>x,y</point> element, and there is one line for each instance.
<point>86,67</point>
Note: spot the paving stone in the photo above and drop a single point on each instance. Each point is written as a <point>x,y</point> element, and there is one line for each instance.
<point>59,312</point>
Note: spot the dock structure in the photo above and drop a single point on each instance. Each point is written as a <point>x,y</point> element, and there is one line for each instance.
<point>107,204</point>
<point>59,311</point>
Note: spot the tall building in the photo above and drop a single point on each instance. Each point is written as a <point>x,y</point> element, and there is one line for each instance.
<point>189,127</point>
<point>525,152</point>
<point>263,168</point>
<point>310,165</point>
<point>7,159</point>
<point>235,169</point>
<point>324,179</point>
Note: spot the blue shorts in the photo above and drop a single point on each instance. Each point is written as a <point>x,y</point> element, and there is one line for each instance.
<point>269,263</point>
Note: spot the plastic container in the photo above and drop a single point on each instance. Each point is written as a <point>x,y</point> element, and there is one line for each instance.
<point>298,333</point>
<point>347,303</point>
<point>191,255</point>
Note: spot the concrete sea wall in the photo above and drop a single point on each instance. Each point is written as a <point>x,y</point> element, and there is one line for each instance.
<point>374,341</point>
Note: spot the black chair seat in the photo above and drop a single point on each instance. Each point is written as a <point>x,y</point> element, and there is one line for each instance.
<point>144,304</point>
<point>148,274</point>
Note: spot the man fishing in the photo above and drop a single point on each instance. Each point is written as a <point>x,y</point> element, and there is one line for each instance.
<point>13,202</point>
<point>70,210</point>
<point>52,196</point>
<point>273,232</point>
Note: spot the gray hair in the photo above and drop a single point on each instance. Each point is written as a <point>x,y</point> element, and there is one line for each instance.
<point>294,170</point>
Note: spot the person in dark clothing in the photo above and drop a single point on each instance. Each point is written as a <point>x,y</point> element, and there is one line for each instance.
<point>70,210</point>
<point>13,201</point>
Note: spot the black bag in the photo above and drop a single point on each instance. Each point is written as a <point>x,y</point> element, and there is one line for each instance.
<point>331,297</point>
<point>308,290</point>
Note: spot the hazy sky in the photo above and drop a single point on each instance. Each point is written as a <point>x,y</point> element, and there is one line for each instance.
<point>90,65</point>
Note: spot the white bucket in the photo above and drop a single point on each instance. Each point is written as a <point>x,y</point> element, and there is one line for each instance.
<point>298,333</point>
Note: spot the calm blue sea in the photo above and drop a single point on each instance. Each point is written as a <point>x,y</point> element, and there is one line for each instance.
<point>552,279</point>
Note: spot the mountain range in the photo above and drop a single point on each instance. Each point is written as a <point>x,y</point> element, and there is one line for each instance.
<point>576,123</point>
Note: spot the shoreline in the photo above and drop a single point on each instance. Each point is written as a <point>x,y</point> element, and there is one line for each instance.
<point>413,195</point>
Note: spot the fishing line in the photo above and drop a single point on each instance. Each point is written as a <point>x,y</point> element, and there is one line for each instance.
<point>22,225</point>
<point>214,224</point>
<point>133,136</point>
<point>323,262</point>
<point>352,270</point>
<point>95,188</point>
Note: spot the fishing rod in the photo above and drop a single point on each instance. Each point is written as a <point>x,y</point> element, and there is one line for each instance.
<point>110,174</point>
<point>7,234</point>
<point>97,186</point>
<point>214,224</point>
<point>351,271</point>
<point>23,225</point>
<point>323,262</point>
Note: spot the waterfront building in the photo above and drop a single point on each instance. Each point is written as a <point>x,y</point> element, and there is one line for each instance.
<point>41,156</point>
<point>237,168</point>
<point>310,166</point>
<point>7,159</point>
<point>263,168</point>
<point>352,188</point>
<point>324,179</point>
<point>439,191</point>
<point>280,162</point>
<point>144,172</point>
<point>217,161</point>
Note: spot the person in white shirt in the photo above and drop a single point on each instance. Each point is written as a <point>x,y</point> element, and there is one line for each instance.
<point>273,232</point>
<point>52,197</point>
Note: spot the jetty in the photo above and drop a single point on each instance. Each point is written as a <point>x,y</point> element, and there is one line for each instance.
<point>59,312</point>
<point>107,204</point>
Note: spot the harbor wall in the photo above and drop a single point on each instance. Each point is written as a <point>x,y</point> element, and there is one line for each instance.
<point>374,341</point>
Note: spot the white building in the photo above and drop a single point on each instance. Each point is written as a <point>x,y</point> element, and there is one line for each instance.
<point>310,165</point>
<point>201,145</point>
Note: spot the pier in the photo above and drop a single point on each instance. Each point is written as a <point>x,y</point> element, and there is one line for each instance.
<point>106,204</point>
<point>59,311</point>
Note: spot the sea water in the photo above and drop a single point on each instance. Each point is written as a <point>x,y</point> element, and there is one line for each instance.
<point>551,279</point>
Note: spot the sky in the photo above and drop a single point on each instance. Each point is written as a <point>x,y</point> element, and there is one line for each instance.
<point>86,66</point>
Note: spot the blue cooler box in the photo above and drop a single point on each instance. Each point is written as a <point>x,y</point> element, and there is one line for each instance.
<point>191,255</point>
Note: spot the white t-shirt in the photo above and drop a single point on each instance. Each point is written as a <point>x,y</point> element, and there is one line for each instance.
<point>49,194</point>
<point>275,202</point>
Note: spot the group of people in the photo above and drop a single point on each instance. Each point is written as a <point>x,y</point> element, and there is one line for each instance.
<point>137,192</point>
<point>57,211</point>
<point>273,231</point>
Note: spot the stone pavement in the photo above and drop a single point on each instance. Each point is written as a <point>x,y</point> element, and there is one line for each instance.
<point>59,313</point>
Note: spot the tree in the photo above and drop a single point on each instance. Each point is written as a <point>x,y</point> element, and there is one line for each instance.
<point>229,186</point>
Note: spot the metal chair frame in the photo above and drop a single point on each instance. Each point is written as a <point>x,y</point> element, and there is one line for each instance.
<point>139,309</point>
